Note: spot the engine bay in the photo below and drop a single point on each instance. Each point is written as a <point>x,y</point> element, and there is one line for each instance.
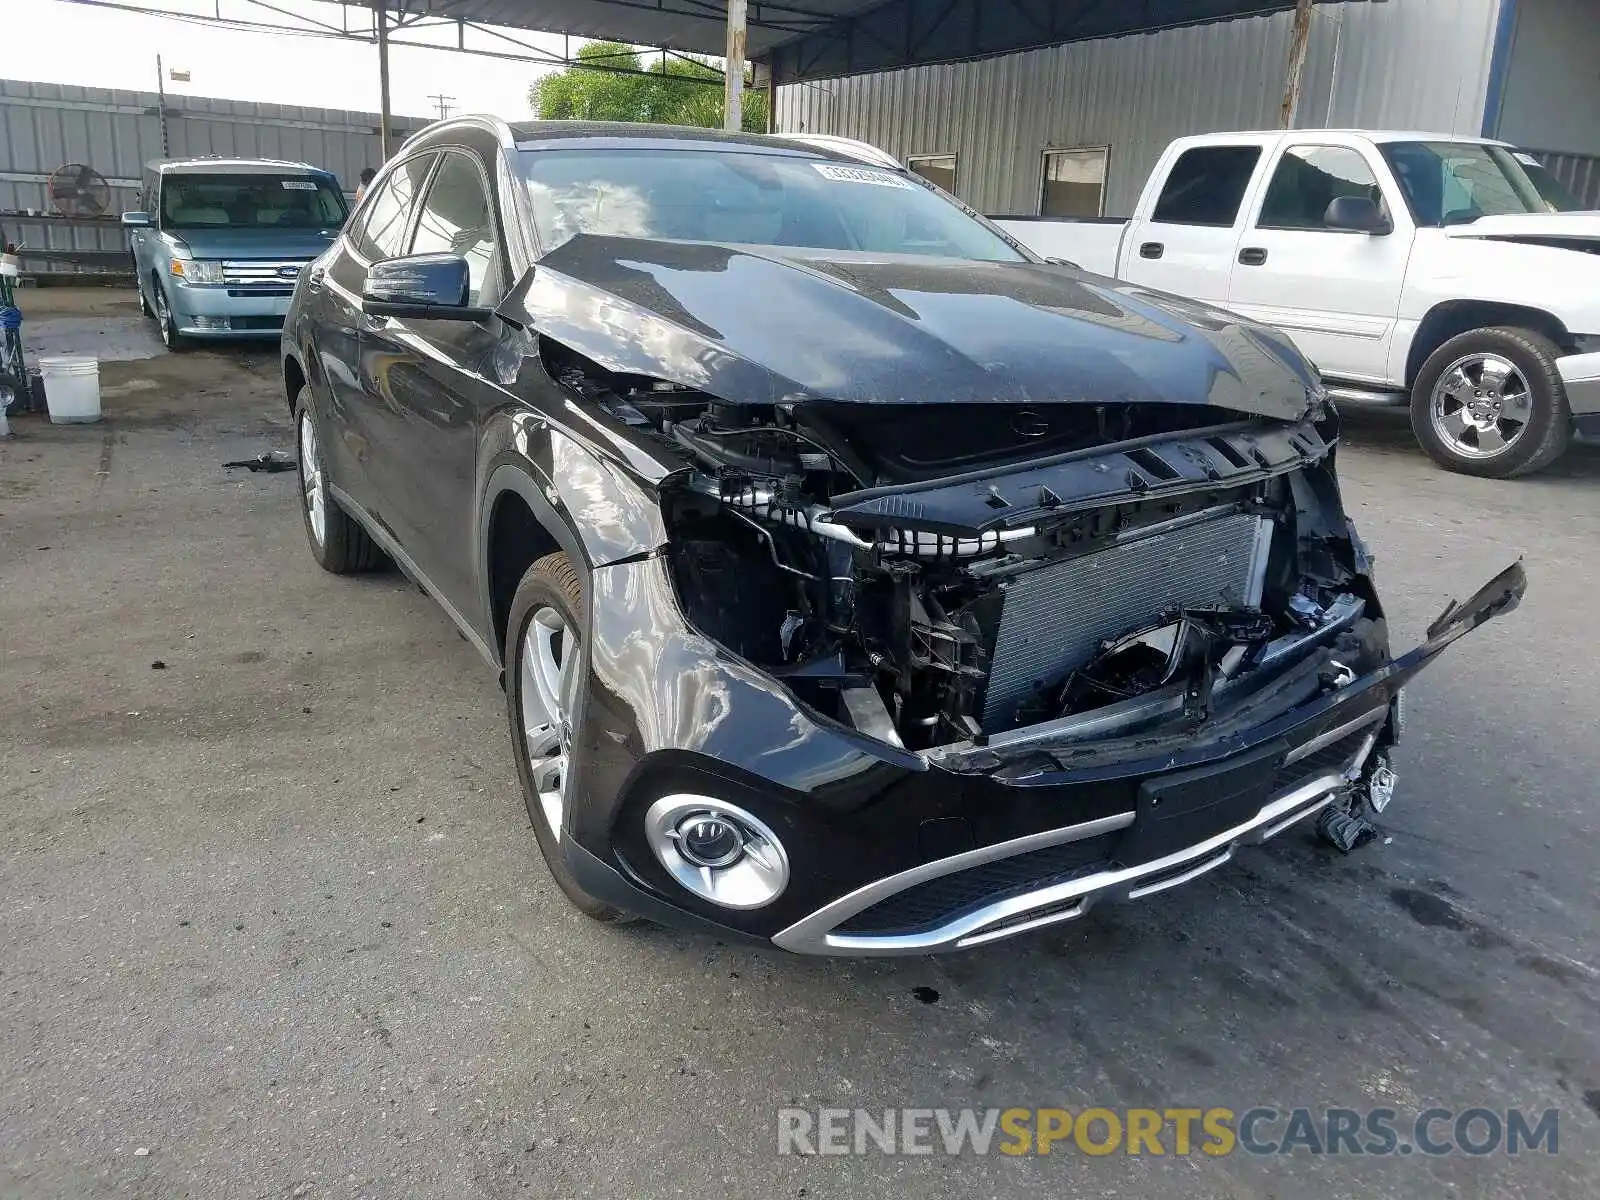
<point>940,575</point>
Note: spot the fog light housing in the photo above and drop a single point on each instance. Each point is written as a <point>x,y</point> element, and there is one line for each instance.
<point>717,850</point>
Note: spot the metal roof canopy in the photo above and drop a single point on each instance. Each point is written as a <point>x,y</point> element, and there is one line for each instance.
<point>819,39</point>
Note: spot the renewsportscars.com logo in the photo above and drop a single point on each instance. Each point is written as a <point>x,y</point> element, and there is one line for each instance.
<point>1216,1132</point>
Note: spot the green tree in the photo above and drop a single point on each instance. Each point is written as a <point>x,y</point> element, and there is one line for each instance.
<point>668,93</point>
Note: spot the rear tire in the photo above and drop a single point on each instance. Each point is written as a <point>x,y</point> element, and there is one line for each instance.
<point>1491,403</point>
<point>544,706</point>
<point>338,541</point>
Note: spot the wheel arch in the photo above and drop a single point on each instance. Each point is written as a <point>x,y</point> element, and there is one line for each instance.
<point>519,526</point>
<point>294,378</point>
<point>1451,318</point>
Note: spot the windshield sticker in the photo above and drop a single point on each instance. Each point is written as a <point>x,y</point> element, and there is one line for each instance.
<point>843,174</point>
<point>1526,159</point>
<point>298,185</point>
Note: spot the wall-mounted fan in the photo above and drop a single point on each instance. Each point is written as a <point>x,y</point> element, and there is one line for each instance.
<point>79,191</point>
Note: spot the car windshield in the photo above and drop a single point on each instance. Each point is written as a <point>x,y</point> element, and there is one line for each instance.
<point>1551,190</point>
<point>748,199</point>
<point>215,201</point>
<point>1455,183</point>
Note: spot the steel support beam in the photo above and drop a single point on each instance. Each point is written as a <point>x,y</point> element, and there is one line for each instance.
<point>733,68</point>
<point>385,121</point>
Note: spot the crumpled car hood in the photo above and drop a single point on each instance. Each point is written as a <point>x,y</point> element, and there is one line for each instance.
<point>768,324</point>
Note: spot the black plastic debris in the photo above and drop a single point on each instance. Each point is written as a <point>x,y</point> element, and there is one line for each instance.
<point>272,461</point>
<point>1346,831</point>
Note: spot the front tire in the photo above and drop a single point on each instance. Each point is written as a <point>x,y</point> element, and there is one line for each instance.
<point>338,542</point>
<point>1491,402</point>
<point>544,665</point>
<point>168,323</point>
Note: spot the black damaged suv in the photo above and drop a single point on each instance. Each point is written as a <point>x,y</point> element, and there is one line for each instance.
<point>858,582</point>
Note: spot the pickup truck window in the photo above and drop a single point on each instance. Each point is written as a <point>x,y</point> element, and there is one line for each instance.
<point>1207,185</point>
<point>1455,183</point>
<point>252,201</point>
<point>1308,179</point>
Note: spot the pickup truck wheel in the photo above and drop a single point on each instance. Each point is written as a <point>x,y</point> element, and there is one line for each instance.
<point>1491,402</point>
<point>544,659</point>
<point>338,542</point>
<point>170,337</point>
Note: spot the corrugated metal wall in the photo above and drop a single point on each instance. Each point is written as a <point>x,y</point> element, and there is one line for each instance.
<point>1407,63</point>
<point>44,125</point>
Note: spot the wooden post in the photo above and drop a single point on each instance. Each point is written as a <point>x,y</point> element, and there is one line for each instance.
<point>733,69</point>
<point>385,132</point>
<point>1299,43</point>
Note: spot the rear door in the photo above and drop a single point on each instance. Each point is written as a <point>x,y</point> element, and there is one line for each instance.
<point>1335,292</point>
<point>380,229</point>
<point>428,388</point>
<point>1183,239</point>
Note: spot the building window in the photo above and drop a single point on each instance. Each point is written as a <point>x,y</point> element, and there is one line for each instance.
<point>1309,179</point>
<point>937,169</point>
<point>1207,186</point>
<point>1074,182</point>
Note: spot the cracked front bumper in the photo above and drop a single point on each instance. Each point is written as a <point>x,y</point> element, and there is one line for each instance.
<point>895,853</point>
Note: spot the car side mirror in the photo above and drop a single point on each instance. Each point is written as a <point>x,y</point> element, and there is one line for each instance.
<point>432,287</point>
<point>137,220</point>
<point>1357,214</point>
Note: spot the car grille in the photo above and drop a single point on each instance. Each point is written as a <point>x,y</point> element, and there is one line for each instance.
<point>1054,620</point>
<point>262,273</point>
<point>939,900</point>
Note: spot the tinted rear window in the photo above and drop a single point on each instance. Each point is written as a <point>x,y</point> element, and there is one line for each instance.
<point>1207,185</point>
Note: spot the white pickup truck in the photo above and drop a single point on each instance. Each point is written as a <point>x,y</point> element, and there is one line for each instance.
<point>1426,269</point>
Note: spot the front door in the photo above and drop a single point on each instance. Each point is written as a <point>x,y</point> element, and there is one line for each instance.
<point>378,230</point>
<point>429,388</point>
<point>1335,292</point>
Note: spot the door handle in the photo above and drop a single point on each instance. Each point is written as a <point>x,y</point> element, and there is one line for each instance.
<point>1253,256</point>
<point>1152,250</point>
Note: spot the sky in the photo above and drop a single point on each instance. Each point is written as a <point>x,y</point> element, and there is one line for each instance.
<point>53,41</point>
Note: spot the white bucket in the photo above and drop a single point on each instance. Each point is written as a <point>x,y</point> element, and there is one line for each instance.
<point>71,388</point>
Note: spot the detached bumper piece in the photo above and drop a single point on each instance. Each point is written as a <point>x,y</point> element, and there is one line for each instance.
<point>1185,824</point>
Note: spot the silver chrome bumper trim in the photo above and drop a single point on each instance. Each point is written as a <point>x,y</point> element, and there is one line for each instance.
<point>1060,902</point>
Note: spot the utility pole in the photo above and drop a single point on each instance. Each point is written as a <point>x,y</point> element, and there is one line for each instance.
<point>385,133</point>
<point>161,106</point>
<point>1299,43</point>
<point>733,69</point>
<point>443,103</point>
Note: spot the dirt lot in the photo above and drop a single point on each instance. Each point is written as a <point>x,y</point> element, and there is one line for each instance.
<point>275,924</point>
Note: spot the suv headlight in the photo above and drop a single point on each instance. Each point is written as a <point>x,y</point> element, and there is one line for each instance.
<point>198,270</point>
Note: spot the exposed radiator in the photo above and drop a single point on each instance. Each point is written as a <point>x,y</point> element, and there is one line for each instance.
<point>1053,620</point>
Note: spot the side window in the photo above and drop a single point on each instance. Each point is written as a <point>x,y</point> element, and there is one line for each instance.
<point>1308,179</point>
<point>1207,185</point>
<point>456,218</point>
<point>1074,182</point>
<point>383,230</point>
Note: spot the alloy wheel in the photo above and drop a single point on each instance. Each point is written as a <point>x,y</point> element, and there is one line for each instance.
<point>312,482</point>
<point>1481,406</point>
<point>548,677</point>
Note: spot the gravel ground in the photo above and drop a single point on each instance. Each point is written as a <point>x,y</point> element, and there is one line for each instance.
<point>275,923</point>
